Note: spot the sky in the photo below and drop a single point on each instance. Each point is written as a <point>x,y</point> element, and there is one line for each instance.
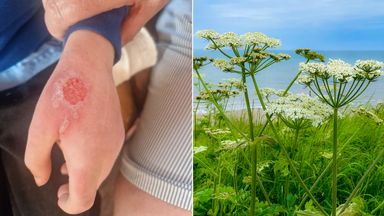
<point>315,24</point>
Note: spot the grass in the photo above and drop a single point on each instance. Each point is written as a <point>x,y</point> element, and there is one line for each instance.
<point>222,174</point>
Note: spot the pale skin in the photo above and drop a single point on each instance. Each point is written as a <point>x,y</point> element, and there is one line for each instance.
<point>90,131</point>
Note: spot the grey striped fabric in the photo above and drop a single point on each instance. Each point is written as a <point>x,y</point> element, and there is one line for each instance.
<point>158,158</point>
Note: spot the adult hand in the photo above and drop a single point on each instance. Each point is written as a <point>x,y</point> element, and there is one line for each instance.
<point>61,14</point>
<point>79,109</point>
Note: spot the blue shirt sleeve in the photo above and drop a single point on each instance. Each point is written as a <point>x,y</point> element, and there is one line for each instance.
<point>106,24</point>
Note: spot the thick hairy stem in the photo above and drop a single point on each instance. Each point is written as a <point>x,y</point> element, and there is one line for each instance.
<point>327,168</point>
<point>295,172</point>
<point>253,147</point>
<point>334,164</point>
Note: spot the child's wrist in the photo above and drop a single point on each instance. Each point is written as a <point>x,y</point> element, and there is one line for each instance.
<point>91,47</point>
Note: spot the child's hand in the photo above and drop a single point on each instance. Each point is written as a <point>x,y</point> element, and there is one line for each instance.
<point>79,109</point>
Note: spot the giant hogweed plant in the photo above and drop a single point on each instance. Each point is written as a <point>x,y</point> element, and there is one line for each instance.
<point>336,85</point>
<point>248,55</point>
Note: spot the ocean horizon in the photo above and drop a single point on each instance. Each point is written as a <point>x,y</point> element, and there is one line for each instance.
<point>280,74</point>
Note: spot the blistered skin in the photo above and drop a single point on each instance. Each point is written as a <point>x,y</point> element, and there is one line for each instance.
<point>69,92</point>
<point>74,91</point>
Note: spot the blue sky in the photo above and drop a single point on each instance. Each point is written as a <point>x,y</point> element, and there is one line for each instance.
<point>316,24</point>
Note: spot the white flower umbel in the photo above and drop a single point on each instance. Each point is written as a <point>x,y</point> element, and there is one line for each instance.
<point>199,149</point>
<point>341,70</point>
<point>339,83</point>
<point>299,111</point>
<point>223,65</point>
<point>229,39</point>
<point>259,39</point>
<point>370,69</point>
<point>207,34</point>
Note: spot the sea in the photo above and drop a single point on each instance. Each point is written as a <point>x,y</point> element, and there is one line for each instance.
<point>279,75</point>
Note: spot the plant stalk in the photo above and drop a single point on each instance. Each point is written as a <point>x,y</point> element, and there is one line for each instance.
<point>334,164</point>
<point>252,146</point>
<point>284,149</point>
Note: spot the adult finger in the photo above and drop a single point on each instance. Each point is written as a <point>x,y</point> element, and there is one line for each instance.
<point>139,14</point>
<point>61,14</point>
<point>41,137</point>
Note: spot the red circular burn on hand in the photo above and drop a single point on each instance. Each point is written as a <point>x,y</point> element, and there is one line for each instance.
<point>74,91</point>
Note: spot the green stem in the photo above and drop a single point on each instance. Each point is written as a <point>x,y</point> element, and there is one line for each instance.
<point>366,174</point>
<point>295,143</point>
<point>284,149</point>
<point>355,96</point>
<point>327,168</point>
<point>230,124</point>
<point>351,91</point>
<point>253,148</point>
<point>334,164</point>
<point>220,50</point>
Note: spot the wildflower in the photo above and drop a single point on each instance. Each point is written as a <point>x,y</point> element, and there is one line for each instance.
<point>310,55</point>
<point>353,209</point>
<point>369,69</point>
<point>236,83</point>
<point>262,165</point>
<point>326,154</point>
<point>260,39</point>
<point>223,65</point>
<point>237,60</point>
<point>267,92</point>
<point>228,39</point>
<point>217,132</point>
<point>364,112</point>
<point>314,69</point>
<point>232,144</point>
<point>341,70</point>
<point>207,34</point>
<point>298,111</point>
<point>284,56</point>
<point>305,79</point>
<point>198,149</point>
<point>254,57</point>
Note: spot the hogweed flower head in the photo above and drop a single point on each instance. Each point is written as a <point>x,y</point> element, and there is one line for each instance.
<point>259,39</point>
<point>369,69</point>
<point>310,55</point>
<point>241,49</point>
<point>208,34</point>
<point>298,111</point>
<point>237,60</point>
<point>341,70</point>
<point>338,83</point>
<point>229,39</point>
<point>369,114</point>
<point>223,65</point>
<point>198,149</point>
